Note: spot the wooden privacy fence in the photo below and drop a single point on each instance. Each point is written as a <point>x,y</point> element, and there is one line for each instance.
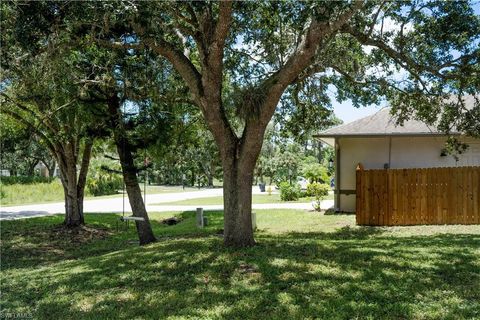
<point>392,197</point>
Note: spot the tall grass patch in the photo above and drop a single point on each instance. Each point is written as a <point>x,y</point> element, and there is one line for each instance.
<point>14,194</point>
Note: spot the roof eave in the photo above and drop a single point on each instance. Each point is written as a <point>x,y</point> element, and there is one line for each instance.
<point>394,134</point>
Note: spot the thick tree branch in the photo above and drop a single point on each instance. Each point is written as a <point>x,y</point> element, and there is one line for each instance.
<point>216,47</point>
<point>302,57</point>
<point>107,169</point>
<point>375,17</point>
<point>212,77</point>
<point>366,82</point>
<point>181,63</point>
<point>41,119</point>
<point>176,57</point>
<point>401,58</point>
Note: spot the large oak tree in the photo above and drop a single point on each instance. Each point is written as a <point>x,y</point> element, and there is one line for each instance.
<point>416,54</point>
<point>286,43</point>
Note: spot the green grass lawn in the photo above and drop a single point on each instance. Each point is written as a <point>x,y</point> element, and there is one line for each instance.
<point>256,199</point>
<point>22,194</point>
<point>305,265</point>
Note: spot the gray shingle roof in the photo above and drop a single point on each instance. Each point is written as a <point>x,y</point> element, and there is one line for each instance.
<point>382,124</point>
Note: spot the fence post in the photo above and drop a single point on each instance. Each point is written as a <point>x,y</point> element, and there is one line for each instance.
<point>199,218</point>
<point>359,195</point>
<point>254,221</point>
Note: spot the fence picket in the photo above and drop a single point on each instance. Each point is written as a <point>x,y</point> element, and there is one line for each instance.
<point>476,196</point>
<point>418,196</point>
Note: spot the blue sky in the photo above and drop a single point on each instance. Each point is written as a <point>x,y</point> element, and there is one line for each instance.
<point>348,113</point>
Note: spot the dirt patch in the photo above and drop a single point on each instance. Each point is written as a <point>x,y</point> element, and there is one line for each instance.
<point>172,221</point>
<point>81,234</point>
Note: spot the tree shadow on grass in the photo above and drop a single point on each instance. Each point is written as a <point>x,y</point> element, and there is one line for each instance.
<point>333,212</point>
<point>343,233</point>
<point>350,273</point>
<point>42,241</point>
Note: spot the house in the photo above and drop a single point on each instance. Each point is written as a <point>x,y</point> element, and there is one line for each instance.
<point>4,173</point>
<point>41,169</point>
<point>377,143</point>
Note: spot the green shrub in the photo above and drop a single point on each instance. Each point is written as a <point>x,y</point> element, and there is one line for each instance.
<point>104,177</point>
<point>9,180</point>
<point>2,194</point>
<point>103,183</point>
<point>289,192</point>
<point>319,191</point>
<point>315,172</point>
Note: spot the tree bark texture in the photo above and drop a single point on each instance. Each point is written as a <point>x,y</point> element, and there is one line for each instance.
<point>237,201</point>
<point>73,184</point>
<point>129,171</point>
<point>238,170</point>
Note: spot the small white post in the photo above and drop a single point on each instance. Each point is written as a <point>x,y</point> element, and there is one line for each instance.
<point>199,219</point>
<point>254,221</point>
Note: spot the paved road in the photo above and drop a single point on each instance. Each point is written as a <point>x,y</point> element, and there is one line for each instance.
<point>153,205</point>
<point>326,204</point>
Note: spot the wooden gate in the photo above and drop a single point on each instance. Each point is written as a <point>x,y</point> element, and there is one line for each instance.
<point>393,197</point>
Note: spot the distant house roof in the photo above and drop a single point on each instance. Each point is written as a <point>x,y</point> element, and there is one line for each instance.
<point>379,124</point>
<point>382,124</point>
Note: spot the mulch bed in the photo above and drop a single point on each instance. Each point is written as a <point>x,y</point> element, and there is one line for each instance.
<point>81,234</point>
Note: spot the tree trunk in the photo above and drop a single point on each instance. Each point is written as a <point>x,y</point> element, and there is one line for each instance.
<point>192,178</point>
<point>50,167</point>
<point>210,179</point>
<point>73,184</point>
<point>319,150</point>
<point>237,201</point>
<point>129,170</point>
<point>31,168</point>
<point>82,176</point>
<point>73,212</point>
<point>144,229</point>
<point>73,215</point>
<point>238,171</point>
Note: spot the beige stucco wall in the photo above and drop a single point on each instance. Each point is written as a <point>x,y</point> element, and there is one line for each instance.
<point>406,152</point>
